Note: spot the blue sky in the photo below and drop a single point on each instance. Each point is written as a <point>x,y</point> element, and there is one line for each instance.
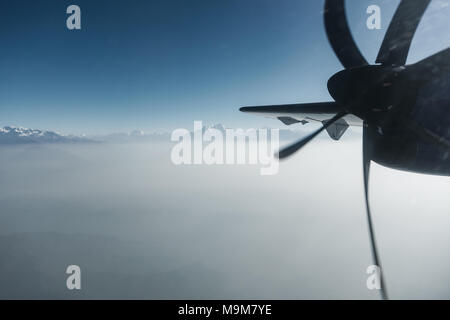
<point>159,65</point>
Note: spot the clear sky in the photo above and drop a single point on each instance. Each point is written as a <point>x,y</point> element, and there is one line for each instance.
<point>161,64</point>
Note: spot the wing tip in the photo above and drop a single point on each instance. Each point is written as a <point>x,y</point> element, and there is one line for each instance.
<point>247,109</point>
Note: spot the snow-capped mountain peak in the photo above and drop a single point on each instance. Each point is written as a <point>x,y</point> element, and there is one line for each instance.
<point>16,135</point>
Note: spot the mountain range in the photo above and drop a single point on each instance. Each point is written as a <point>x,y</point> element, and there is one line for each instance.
<point>20,135</point>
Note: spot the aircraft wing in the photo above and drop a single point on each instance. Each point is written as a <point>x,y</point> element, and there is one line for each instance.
<point>305,113</point>
<point>302,113</point>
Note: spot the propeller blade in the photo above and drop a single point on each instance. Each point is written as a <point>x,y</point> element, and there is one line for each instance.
<point>395,47</point>
<point>339,35</point>
<point>367,155</point>
<point>288,151</point>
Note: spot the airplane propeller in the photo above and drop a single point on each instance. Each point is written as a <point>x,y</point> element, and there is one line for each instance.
<point>290,150</point>
<point>367,156</point>
<point>393,54</point>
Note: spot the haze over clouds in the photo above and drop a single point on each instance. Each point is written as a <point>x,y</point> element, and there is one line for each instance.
<point>141,227</point>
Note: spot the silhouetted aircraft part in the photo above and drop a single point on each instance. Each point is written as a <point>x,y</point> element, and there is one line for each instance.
<point>339,35</point>
<point>427,135</point>
<point>337,129</point>
<point>301,113</point>
<point>290,150</point>
<point>397,41</point>
<point>432,67</point>
<point>288,120</point>
<point>306,108</point>
<point>367,156</point>
<point>405,109</point>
